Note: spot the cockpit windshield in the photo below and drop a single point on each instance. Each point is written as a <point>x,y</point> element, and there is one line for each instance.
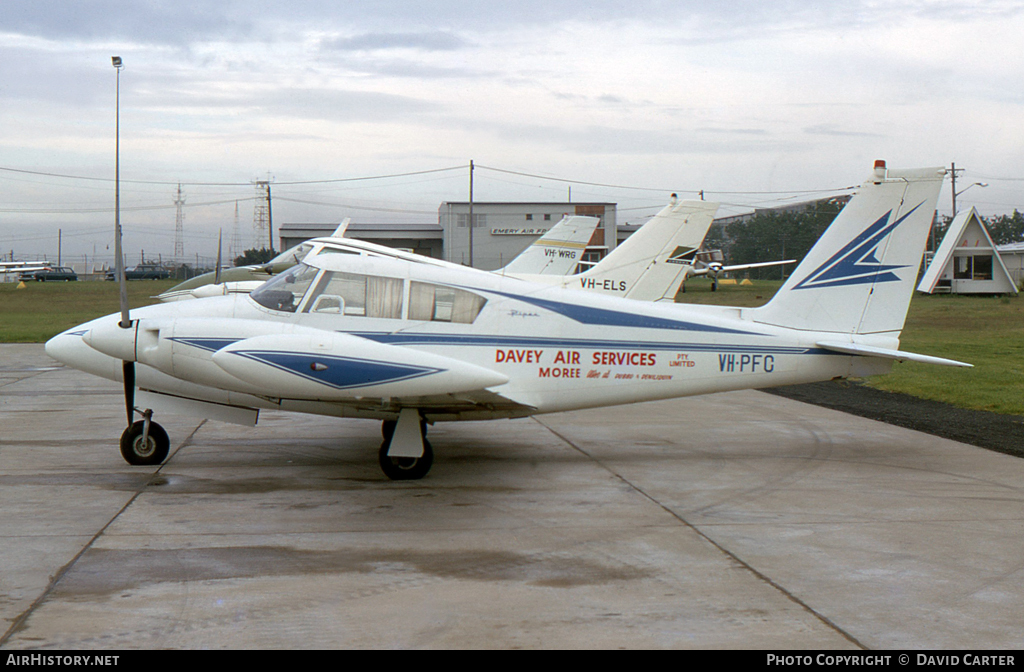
<point>285,291</point>
<point>292,255</point>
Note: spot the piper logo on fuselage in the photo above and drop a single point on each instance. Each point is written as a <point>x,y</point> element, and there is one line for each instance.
<point>606,285</point>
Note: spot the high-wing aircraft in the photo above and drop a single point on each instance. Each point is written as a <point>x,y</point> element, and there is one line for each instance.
<point>557,252</point>
<point>709,262</point>
<point>412,343</point>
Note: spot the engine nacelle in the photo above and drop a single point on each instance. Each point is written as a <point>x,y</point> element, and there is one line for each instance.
<point>322,365</point>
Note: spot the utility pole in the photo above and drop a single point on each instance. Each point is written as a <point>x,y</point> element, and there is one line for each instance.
<point>952,172</point>
<point>270,221</point>
<point>235,248</point>
<point>471,213</point>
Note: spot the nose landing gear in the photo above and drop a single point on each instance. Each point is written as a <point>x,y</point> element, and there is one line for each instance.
<point>145,442</point>
<point>406,454</point>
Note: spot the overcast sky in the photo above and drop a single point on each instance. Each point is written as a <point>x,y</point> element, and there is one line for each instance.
<point>757,103</point>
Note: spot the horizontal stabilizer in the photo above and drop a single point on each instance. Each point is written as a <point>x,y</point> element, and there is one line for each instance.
<point>886,353</point>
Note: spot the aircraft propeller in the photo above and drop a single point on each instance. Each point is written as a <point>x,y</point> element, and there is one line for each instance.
<point>143,442</point>
<point>127,366</point>
<point>216,272</point>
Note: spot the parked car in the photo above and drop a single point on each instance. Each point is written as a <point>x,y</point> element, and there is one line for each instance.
<point>53,273</point>
<point>142,272</point>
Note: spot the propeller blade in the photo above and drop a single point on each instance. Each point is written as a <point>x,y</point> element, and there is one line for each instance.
<point>216,273</point>
<point>121,282</point>
<point>128,371</point>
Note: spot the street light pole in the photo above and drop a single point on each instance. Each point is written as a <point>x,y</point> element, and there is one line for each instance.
<point>119,260</point>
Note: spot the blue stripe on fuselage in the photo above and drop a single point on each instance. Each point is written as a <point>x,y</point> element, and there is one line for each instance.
<point>208,344</point>
<point>612,318</point>
<point>462,340</point>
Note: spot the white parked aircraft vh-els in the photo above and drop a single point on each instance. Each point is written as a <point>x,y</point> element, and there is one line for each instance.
<point>413,343</point>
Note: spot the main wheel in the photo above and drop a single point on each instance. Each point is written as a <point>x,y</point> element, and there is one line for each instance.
<point>153,451</point>
<point>406,468</point>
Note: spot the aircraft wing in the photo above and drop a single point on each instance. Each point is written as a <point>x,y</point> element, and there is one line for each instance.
<point>739,267</point>
<point>23,269</point>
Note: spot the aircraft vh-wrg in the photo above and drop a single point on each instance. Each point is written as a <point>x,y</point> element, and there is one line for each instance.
<point>412,343</point>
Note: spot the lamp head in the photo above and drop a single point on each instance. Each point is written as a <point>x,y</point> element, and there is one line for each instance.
<point>116,60</point>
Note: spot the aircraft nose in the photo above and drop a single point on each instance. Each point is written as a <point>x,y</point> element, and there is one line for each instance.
<point>69,348</point>
<point>62,347</point>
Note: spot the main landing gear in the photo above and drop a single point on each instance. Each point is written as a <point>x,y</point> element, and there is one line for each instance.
<point>406,454</point>
<point>145,442</point>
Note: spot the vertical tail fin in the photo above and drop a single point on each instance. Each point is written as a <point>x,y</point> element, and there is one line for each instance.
<point>860,275</point>
<point>558,251</point>
<point>644,262</point>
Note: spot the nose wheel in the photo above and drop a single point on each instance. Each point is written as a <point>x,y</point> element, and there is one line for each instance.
<point>145,443</point>
<point>405,455</point>
<point>406,468</point>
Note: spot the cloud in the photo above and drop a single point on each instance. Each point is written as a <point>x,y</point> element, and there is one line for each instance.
<point>424,41</point>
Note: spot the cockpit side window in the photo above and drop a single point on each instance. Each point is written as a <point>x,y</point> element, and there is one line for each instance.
<point>285,291</point>
<point>334,250</point>
<point>437,303</point>
<point>357,295</point>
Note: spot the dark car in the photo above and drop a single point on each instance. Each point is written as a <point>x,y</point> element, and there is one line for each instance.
<point>143,272</point>
<point>62,273</point>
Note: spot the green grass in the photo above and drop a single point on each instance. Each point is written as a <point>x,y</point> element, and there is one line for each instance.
<point>985,331</point>
<point>758,293</point>
<point>44,309</point>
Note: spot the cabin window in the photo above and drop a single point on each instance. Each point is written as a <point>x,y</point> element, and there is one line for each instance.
<point>335,250</point>
<point>437,303</point>
<point>285,291</point>
<point>357,295</point>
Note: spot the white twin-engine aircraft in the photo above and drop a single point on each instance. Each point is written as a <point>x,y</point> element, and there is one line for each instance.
<point>415,343</point>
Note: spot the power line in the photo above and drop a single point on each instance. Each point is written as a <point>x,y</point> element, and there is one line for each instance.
<point>427,172</point>
<point>662,190</point>
<point>133,208</point>
<point>228,184</point>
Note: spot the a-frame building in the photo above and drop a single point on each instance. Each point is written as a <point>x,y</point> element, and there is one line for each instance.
<point>967,262</point>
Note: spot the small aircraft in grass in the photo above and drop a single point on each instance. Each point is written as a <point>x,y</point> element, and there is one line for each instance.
<point>411,343</point>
